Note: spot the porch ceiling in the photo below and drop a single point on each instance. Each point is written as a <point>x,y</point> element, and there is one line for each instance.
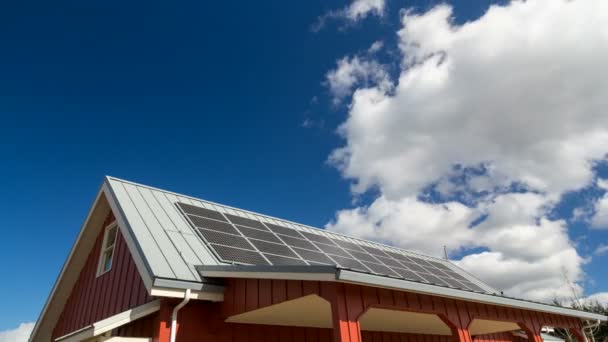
<point>307,311</point>
<point>485,326</point>
<point>376,319</point>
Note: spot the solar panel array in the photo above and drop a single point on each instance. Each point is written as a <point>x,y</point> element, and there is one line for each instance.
<point>240,240</point>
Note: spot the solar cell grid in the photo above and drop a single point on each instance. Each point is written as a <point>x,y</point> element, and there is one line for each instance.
<point>267,247</point>
<point>379,269</point>
<point>314,256</point>
<point>194,210</point>
<point>389,261</point>
<point>364,256</point>
<point>374,251</point>
<point>284,231</point>
<point>350,263</point>
<point>279,260</point>
<point>225,239</point>
<point>348,245</point>
<point>398,256</point>
<point>433,279</point>
<point>439,265</point>
<point>407,274</point>
<point>224,227</point>
<point>456,276</point>
<point>294,242</point>
<point>334,250</point>
<point>452,283</point>
<point>242,221</point>
<point>229,254</point>
<point>318,238</point>
<point>258,234</point>
<point>413,267</point>
<point>472,286</point>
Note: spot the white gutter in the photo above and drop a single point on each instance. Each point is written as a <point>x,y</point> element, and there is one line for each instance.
<point>174,315</point>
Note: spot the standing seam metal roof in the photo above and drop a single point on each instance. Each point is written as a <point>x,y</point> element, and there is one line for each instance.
<point>172,249</point>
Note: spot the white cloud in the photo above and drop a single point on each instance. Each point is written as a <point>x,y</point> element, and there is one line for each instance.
<point>601,250</point>
<point>600,297</point>
<point>19,334</point>
<point>357,10</point>
<point>600,218</point>
<point>375,47</point>
<point>518,90</point>
<point>353,71</point>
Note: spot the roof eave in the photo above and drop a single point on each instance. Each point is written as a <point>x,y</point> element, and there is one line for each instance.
<point>332,273</point>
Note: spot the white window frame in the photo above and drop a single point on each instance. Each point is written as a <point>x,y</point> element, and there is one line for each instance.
<point>104,249</point>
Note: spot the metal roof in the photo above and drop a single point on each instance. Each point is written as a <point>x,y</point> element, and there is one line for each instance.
<point>170,247</point>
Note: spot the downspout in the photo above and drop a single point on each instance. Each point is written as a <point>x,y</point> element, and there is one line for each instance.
<point>174,314</point>
<point>590,327</point>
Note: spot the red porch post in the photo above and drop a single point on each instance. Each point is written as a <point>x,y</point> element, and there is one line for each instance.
<point>346,307</point>
<point>162,323</point>
<point>579,334</point>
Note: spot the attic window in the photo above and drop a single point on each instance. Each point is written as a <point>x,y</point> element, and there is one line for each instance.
<point>107,249</point>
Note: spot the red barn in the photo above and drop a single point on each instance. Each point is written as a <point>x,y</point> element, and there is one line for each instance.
<point>151,265</point>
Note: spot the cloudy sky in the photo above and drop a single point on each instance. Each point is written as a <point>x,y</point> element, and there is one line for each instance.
<point>478,126</point>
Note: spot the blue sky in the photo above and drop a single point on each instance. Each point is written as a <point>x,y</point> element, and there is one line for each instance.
<point>207,99</point>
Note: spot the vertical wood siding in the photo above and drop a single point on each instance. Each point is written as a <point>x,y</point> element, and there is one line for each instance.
<point>498,337</point>
<point>200,321</point>
<point>95,298</point>
<point>351,301</point>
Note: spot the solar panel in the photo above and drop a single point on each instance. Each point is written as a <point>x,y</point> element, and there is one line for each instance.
<point>314,256</point>
<point>242,221</point>
<point>379,269</point>
<point>293,242</point>
<point>223,227</point>
<point>413,267</point>
<point>318,238</point>
<point>190,209</point>
<point>363,256</point>
<point>237,239</point>
<point>279,260</point>
<point>229,254</point>
<point>348,245</point>
<point>407,274</point>
<point>258,234</point>
<point>225,239</point>
<point>268,247</point>
<point>284,231</point>
<point>334,250</point>
<point>374,251</point>
<point>350,263</point>
<point>389,261</point>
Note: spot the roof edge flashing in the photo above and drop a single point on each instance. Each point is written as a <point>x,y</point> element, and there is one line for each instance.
<point>296,272</point>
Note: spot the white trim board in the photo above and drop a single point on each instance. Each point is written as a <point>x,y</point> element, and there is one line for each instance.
<point>112,322</point>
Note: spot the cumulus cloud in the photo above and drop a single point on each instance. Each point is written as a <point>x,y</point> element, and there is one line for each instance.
<point>19,334</point>
<point>600,297</point>
<point>518,91</point>
<point>375,47</point>
<point>352,71</point>
<point>600,218</point>
<point>357,10</point>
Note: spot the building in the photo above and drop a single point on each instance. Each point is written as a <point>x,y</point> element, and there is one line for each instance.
<point>151,265</point>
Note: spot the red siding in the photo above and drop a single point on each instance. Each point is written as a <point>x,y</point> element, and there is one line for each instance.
<point>499,337</point>
<point>351,301</point>
<point>200,321</point>
<point>93,299</point>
